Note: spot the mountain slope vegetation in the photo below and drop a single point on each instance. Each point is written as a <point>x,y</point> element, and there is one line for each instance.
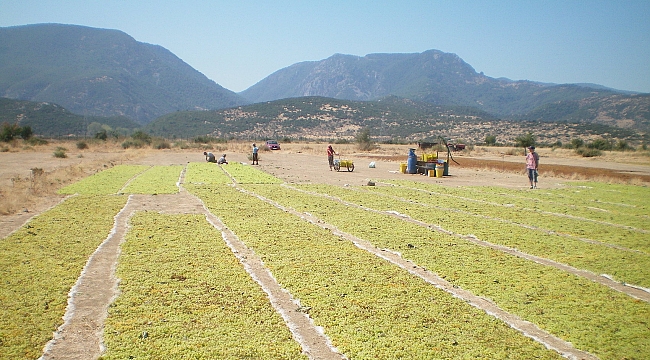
<point>316,117</point>
<point>390,119</point>
<point>52,120</point>
<point>442,79</point>
<point>102,72</point>
<point>625,111</point>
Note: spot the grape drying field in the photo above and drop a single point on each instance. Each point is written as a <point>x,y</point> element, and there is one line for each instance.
<point>228,261</point>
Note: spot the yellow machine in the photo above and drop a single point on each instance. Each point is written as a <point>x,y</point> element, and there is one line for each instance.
<point>338,164</point>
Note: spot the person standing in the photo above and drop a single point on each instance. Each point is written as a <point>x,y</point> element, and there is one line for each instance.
<point>330,156</point>
<point>255,160</point>
<point>532,163</point>
<point>209,157</point>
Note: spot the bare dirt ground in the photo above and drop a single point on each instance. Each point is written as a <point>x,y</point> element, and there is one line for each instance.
<point>297,163</point>
<point>80,336</point>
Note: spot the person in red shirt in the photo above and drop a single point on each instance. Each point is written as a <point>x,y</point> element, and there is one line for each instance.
<point>532,163</point>
<point>330,156</point>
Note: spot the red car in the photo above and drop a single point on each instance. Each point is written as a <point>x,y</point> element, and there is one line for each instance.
<point>272,145</point>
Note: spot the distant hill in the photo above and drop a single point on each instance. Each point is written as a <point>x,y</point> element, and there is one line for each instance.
<point>52,120</point>
<point>102,72</point>
<point>318,117</point>
<point>390,119</point>
<point>625,111</point>
<point>432,76</point>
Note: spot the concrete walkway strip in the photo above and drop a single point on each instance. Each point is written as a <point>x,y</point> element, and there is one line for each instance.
<point>312,338</point>
<point>79,337</point>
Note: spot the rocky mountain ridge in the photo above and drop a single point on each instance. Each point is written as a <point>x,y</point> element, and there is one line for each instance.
<point>102,72</point>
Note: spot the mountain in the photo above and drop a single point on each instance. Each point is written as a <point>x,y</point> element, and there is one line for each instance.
<point>106,73</point>
<point>432,76</point>
<point>390,119</point>
<point>624,111</point>
<point>52,120</point>
<point>315,117</point>
<point>102,72</point>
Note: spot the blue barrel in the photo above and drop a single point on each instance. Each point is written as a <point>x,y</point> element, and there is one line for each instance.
<point>412,163</point>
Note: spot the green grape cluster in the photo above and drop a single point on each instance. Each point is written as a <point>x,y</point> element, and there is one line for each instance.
<point>599,256</point>
<point>244,174</point>
<point>201,304</point>
<point>39,264</point>
<point>205,173</point>
<point>368,307</point>
<point>156,180</point>
<point>592,317</point>
<point>107,182</point>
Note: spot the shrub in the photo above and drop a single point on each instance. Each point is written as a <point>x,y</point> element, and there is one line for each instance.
<point>513,151</point>
<point>60,152</point>
<point>208,139</point>
<point>600,144</point>
<point>588,152</point>
<point>37,171</point>
<point>25,132</point>
<point>182,145</point>
<point>9,131</point>
<point>133,143</point>
<point>82,145</point>
<point>33,141</point>
<point>576,143</point>
<point>622,145</point>
<point>162,144</point>
<point>141,136</point>
<point>102,135</point>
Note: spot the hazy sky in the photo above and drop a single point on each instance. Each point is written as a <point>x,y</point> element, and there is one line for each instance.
<point>237,43</point>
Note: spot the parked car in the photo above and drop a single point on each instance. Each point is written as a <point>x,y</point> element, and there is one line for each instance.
<point>456,147</point>
<point>272,145</point>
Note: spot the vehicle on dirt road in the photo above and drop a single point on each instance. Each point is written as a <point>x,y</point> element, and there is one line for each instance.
<point>272,145</point>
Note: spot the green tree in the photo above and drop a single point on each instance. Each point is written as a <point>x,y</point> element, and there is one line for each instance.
<point>93,128</point>
<point>490,140</point>
<point>142,136</point>
<point>26,132</point>
<point>101,135</point>
<point>577,142</point>
<point>622,145</point>
<point>11,131</point>
<point>525,140</point>
<point>601,144</point>
<point>364,142</point>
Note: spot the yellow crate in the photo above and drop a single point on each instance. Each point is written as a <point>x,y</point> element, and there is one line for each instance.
<point>429,157</point>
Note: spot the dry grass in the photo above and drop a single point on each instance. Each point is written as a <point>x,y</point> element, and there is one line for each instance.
<point>560,171</point>
<point>22,193</point>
